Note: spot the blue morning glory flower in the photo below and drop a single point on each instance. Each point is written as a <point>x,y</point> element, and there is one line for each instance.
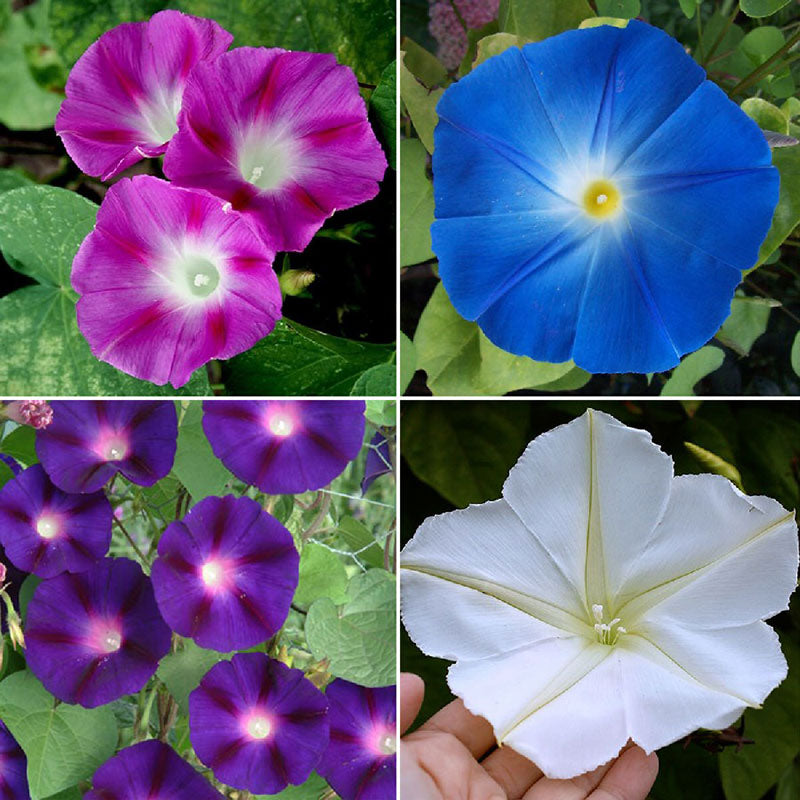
<point>597,199</point>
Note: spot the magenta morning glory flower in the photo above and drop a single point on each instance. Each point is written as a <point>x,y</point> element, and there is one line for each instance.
<point>46,531</point>
<point>360,762</point>
<point>94,636</point>
<point>226,573</point>
<point>258,724</point>
<point>89,441</point>
<point>285,446</point>
<point>13,768</point>
<point>146,771</point>
<point>283,137</point>
<point>173,285</point>
<point>124,93</point>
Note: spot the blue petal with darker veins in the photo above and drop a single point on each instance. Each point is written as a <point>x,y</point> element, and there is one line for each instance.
<point>519,141</point>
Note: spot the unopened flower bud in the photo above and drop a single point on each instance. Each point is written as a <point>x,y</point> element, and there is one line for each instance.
<point>293,281</point>
<point>3,572</point>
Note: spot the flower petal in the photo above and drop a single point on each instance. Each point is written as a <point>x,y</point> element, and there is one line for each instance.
<point>590,491</point>
<point>545,699</point>
<point>717,558</point>
<point>473,584</point>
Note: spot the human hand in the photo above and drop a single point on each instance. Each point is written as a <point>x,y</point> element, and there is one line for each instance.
<point>446,759</point>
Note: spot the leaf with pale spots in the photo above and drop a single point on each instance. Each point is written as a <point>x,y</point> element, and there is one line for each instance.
<point>64,744</point>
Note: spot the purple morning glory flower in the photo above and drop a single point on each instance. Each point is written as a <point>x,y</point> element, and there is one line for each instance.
<point>285,446</point>
<point>11,463</point>
<point>46,531</point>
<point>173,285</point>
<point>94,636</point>
<point>360,762</point>
<point>13,768</point>
<point>226,573</point>
<point>378,462</point>
<point>124,93</point>
<point>89,441</point>
<point>147,771</point>
<point>281,136</point>
<point>258,724</point>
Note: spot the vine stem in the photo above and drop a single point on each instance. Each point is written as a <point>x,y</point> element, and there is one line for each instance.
<point>720,36</point>
<point>758,73</point>
<point>131,542</point>
<point>324,505</point>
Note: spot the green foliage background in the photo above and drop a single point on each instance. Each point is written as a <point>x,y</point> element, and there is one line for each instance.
<point>456,453</point>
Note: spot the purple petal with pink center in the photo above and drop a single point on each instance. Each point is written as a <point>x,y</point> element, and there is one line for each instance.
<point>89,441</point>
<point>258,724</point>
<point>92,637</point>
<point>226,573</point>
<point>281,136</point>
<point>147,771</point>
<point>124,93</point>
<point>173,284</point>
<point>13,768</point>
<point>360,762</point>
<point>46,531</point>
<point>285,446</point>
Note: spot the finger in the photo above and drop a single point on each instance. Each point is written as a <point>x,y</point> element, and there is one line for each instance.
<point>515,773</point>
<point>630,778</point>
<point>412,692</point>
<point>450,766</point>
<point>475,733</point>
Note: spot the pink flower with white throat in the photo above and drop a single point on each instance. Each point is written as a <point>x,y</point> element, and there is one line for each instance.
<point>124,93</point>
<point>281,136</point>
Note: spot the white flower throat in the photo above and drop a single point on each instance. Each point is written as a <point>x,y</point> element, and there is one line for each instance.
<point>607,632</point>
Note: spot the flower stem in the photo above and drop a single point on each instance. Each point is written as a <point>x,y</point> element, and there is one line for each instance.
<point>131,542</point>
<point>699,34</point>
<point>718,41</point>
<point>758,73</point>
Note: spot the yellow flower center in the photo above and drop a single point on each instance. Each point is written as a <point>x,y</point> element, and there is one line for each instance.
<point>601,199</point>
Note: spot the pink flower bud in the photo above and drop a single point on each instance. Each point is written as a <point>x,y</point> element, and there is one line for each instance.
<point>36,413</point>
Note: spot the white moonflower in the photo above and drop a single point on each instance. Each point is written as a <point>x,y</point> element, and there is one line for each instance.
<point>603,599</point>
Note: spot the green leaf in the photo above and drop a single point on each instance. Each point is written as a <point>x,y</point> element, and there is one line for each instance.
<point>24,105</point>
<point>6,474</point>
<point>538,19</point>
<point>689,7</point>
<point>748,320</point>
<point>723,56</point>
<point>423,65</point>
<point>574,379</point>
<point>762,8</point>
<point>420,102</point>
<point>686,773</point>
<point>357,538</point>
<point>13,179</point>
<point>359,637</point>
<point>382,412</point>
<point>21,445</point>
<point>692,369</point>
<point>464,450</point>
<point>749,773</point>
<point>787,213</point>
<point>44,353</point>
<point>313,789</point>
<point>359,32</point>
<point>408,362</point>
<point>64,744</point>
<point>495,44</point>
<point>26,591</point>
<point>622,9</point>
<point>795,355</point>
<point>322,574</point>
<point>416,204</point>
<point>295,360</point>
<point>383,102</point>
<point>713,463</point>
<point>181,672</point>
<point>757,46</point>
<point>767,116</point>
<point>196,466</point>
<point>460,360</point>
<point>789,785</point>
<point>379,380</point>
